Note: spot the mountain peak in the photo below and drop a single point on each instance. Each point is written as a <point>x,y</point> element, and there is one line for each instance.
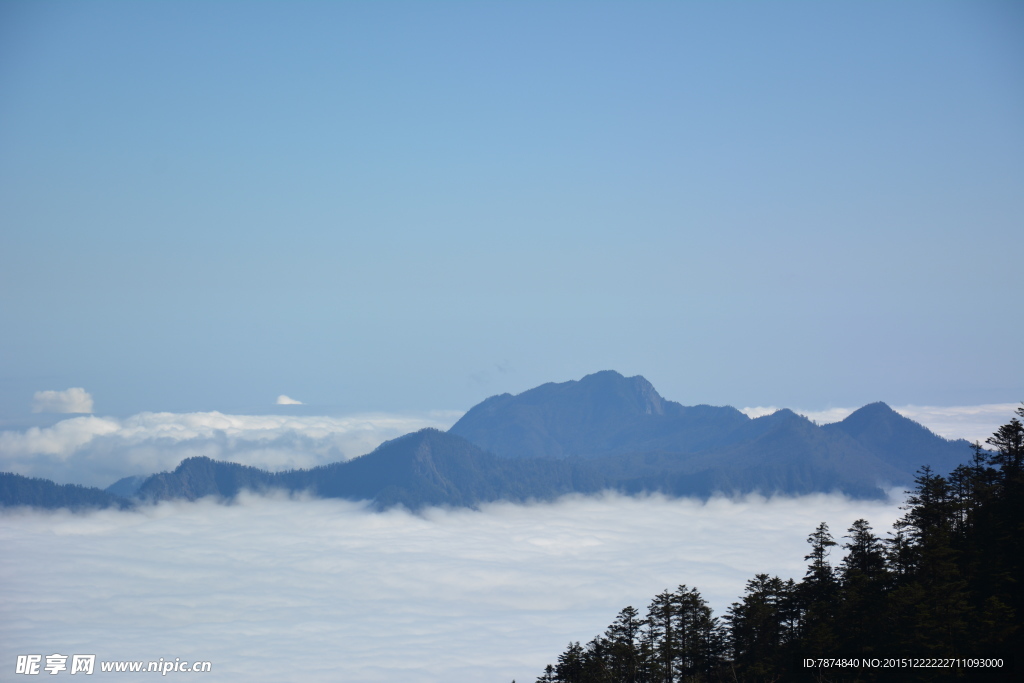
<point>909,443</point>
<point>598,414</point>
<point>601,374</point>
<point>876,408</point>
<point>876,416</point>
<point>783,415</point>
<point>646,397</point>
<point>194,461</point>
<point>548,420</point>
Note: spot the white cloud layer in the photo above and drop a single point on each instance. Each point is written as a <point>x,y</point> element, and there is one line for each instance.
<point>97,451</point>
<point>73,400</point>
<point>283,400</point>
<point>973,423</point>
<point>272,589</point>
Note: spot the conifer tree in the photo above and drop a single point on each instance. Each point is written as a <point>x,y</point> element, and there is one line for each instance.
<point>758,630</point>
<point>662,637</point>
<point>817,595</point>
<point>623,646</point>
<point>864,580</point>
<point>570,665</point>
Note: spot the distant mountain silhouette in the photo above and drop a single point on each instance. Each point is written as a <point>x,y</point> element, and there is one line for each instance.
<point>905,444</point>
<point>601,414</point>
<point>604,431</point>
<point>198,477</point>
<point>430,467</point>
<point>127,486</point>
<point>424,468</point>
<point>642,442</point>
<point>16,490</point>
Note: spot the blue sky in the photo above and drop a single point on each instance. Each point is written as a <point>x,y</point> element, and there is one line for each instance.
<point>412,206</point>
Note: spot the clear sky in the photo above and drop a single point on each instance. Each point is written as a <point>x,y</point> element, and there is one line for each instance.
<point>386,206</point>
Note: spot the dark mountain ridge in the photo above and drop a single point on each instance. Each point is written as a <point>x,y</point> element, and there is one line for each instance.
<point>604,431</point>
<point>17,490</point>
<point>603,413</point>
<point>627,426</point>
<point>430,467</point>
<point>906,444</point>
<point>425,468</point>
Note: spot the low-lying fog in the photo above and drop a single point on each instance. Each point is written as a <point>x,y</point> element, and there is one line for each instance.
<point>273,589</point>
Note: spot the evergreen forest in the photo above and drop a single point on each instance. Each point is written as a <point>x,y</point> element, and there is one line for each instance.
<point>943,585</point>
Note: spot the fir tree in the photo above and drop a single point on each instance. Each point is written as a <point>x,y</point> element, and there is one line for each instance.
<point>864,580</point>
<point>817,595</point>
<point>759,628</point>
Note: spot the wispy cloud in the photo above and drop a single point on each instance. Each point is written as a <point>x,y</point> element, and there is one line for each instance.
<point>283,400</point>
<point>755,412</point>
<point>73,400</point>
<point>272,589</point>
<point>97,451</point>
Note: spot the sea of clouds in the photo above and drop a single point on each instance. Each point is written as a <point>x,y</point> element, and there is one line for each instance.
<point>97,451</point>
<point>278,588</point>
<point>273,588</point>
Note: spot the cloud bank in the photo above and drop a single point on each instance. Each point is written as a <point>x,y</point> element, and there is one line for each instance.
<point>73,400</point>
<point>273,589</point>
<point>974,423</point>
<point>97,451</point>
